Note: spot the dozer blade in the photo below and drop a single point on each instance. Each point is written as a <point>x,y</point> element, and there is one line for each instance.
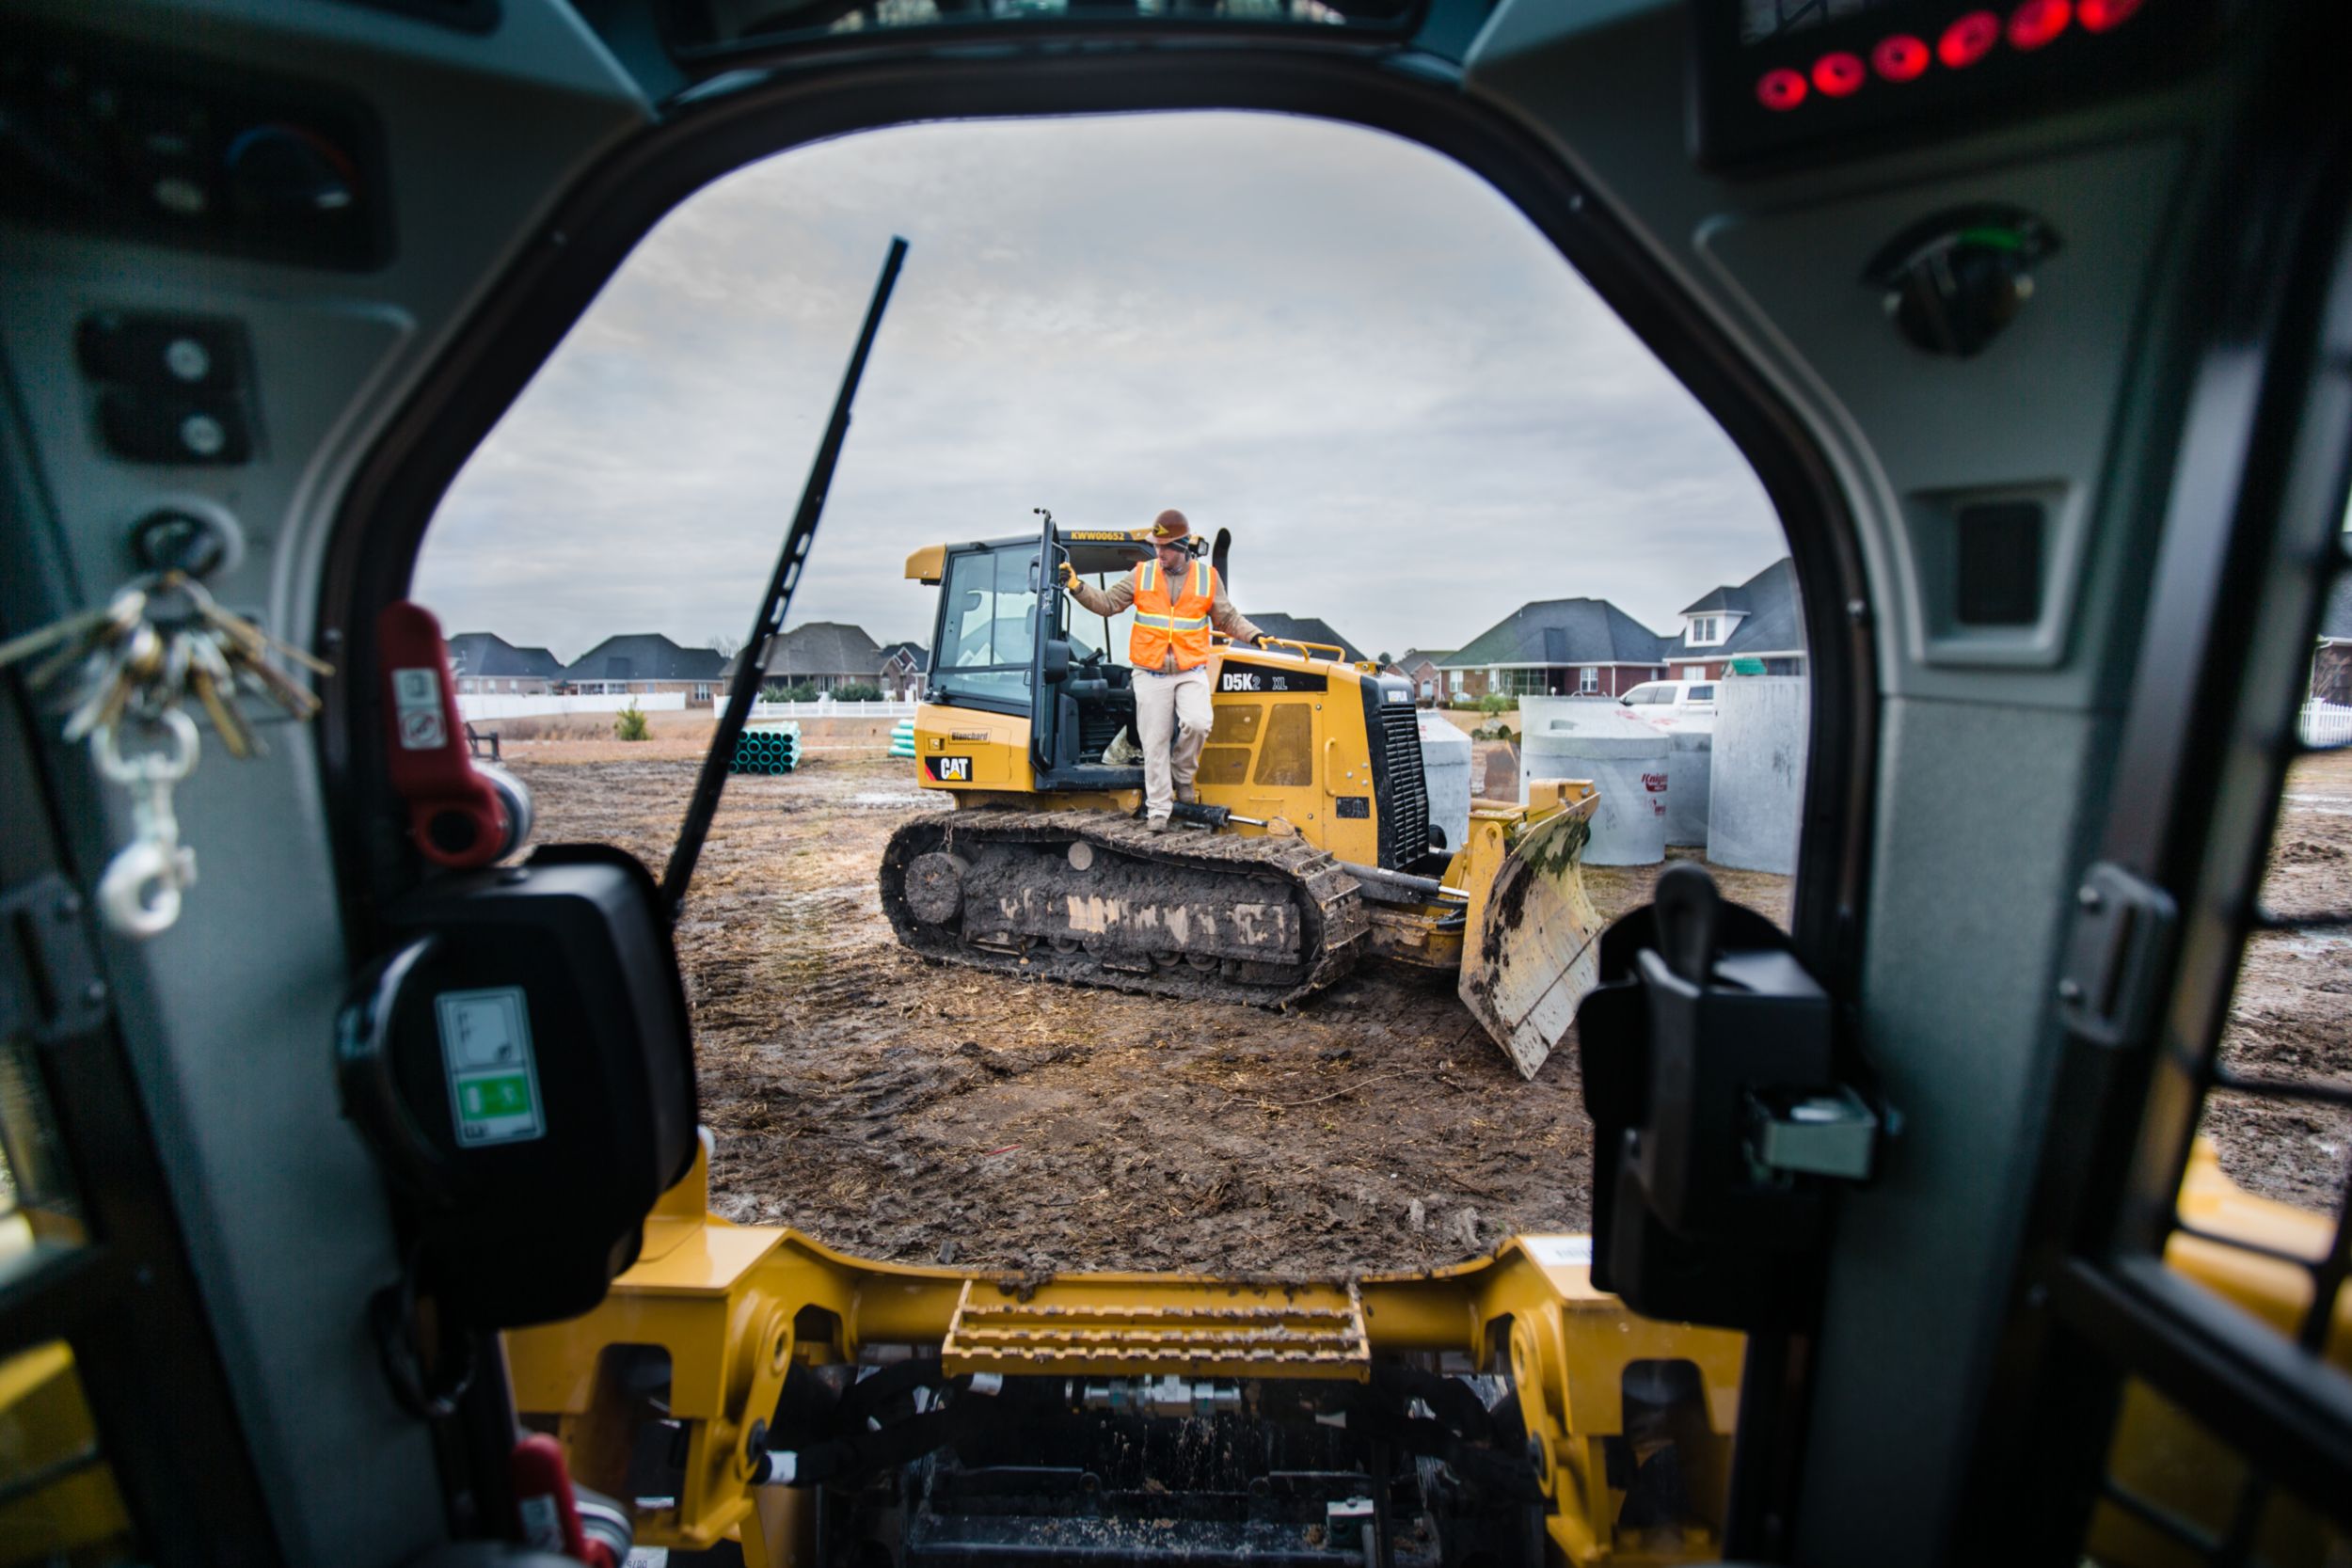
<point>1532,954</point>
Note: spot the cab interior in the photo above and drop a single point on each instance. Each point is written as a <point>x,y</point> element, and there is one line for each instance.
<point>2063,551</point>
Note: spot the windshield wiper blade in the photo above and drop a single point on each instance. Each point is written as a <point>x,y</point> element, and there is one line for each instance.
<point>773,606</point>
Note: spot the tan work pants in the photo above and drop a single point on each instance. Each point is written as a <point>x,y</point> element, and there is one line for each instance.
<point>1171,721</point>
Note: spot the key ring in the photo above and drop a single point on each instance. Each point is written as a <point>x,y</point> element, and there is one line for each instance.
<point>147,768</point>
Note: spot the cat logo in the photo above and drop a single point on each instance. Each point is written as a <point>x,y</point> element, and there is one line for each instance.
<point>951,769</point>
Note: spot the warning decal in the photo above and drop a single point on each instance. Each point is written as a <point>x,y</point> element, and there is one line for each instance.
<point>493,1081</point>
<point>417,700</point>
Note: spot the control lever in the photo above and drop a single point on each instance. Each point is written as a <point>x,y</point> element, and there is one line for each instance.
<point>1721,1126</point>
<point>461,812</point>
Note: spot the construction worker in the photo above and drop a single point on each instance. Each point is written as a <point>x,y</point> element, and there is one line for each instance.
<point>1177,598</point>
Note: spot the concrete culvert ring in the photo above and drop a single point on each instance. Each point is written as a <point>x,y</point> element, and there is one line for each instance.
<point>935,887</point>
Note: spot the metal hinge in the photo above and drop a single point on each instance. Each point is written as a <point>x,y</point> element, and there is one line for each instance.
<point>2115,961</point>
<point>50,987</point>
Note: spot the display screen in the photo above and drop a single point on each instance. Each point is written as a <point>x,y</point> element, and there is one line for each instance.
<point>1761,21</point>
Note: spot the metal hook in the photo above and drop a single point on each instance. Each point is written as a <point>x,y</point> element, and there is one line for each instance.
<point>140,891</point>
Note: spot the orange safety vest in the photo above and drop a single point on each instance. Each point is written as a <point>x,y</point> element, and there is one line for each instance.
<point>1180,623</point>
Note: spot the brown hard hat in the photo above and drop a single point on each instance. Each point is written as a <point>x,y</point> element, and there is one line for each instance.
<point>1168,527</point>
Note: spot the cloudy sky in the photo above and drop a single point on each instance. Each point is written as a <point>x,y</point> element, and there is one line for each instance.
<point>1347,350</point>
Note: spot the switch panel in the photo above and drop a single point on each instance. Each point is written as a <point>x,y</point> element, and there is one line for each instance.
<point>171,389</point>
<point>100,136</point>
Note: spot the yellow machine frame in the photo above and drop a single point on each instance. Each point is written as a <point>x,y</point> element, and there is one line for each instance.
<point>728,1304</point>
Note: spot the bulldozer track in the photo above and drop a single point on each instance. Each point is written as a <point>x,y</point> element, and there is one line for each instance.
<point>1186,864</point>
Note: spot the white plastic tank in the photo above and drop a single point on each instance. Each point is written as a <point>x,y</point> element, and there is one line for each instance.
<point>1690,782</point>
<point>1587,738</point>
<point>1753,807</point>
<point>1445,763</point>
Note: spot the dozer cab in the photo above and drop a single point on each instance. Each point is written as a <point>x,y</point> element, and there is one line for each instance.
<point>1311,842</point>
<point>2065,553</point>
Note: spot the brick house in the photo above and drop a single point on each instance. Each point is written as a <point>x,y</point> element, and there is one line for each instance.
<point>641,663</point>
<point>827,655</point>
<point>1759,620</point>
<point>484,662</point>
<point>905,666</point>
<point>1422,667</point>
<point>1559,648</point>
<point>2331,663</point>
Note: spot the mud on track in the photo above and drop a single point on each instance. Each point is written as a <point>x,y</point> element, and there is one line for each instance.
<point>913,1110</point>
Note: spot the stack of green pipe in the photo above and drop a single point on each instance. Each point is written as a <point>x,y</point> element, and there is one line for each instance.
<point>903,738</point>
<point>772,747</point>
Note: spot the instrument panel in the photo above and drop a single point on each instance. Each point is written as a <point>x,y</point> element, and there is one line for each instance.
<point>1832,78</point>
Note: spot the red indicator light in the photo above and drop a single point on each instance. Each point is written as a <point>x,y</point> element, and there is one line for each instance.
<point>1781,90</point>
<point>1968,40</point>
<point>2097,16</point>
<point>1839,75</point>
<point>1901,58</point>
<point>2038,22</point>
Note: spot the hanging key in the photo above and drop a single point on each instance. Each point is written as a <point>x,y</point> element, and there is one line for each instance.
<point>158,641</point>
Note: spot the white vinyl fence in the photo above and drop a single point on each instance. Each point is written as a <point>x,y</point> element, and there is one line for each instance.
<point>825,707</point>
<point>475,705</point>
<point>2326,724</point>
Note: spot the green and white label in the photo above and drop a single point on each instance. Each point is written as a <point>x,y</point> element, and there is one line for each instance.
<point>493,1082</point>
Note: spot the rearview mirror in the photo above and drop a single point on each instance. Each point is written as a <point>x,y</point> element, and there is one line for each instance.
<point>1056,657</point>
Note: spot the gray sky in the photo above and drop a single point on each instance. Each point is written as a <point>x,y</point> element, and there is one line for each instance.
<point>1348,349</point>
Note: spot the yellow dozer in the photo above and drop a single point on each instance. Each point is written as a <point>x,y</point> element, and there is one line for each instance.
<point>1310,846</point>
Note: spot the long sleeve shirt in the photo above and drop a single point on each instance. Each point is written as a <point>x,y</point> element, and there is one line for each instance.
<point>1121,597</point>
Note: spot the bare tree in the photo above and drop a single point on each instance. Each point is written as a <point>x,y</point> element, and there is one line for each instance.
<point>725,645</point>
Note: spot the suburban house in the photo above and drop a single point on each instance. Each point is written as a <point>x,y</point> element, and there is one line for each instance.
<point>640,663</point>
<point>1424,667</point>
<point>482,662</point>
<point>826,655</point>
<point>1758,621</point>
<point>2331,665</point>
<point>904,668</point>
<point>1305,629</point>
<point>1557,647</point>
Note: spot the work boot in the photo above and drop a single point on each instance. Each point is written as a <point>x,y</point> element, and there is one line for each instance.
<point>1157,824</point>
<point>1188,795</point>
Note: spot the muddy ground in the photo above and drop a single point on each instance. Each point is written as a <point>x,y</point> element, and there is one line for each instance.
<point>916,1111</point>
<point>2294,1003</point>
<point>910,1111</point>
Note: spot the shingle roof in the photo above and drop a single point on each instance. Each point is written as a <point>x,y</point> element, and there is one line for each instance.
<point>2335,621</point>
<point>821,648</point>
<point>1774,622</point>
<point>486,653</point>
<point>1304,628</point>
<point>643,656</point>
<point>1435,656</point>
<point>916,651</point>
<point>1561,631</point>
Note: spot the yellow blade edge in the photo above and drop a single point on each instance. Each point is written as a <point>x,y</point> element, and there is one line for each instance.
<point>1534,957</point>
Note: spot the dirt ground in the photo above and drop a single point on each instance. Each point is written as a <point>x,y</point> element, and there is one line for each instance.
<point>912,1111</point>
<point>2294,1003</point>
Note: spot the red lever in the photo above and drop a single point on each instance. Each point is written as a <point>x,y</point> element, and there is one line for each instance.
<point>454,814</point>
<point>549,1510</point>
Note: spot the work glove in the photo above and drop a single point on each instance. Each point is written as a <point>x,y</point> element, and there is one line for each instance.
<point>1259,640</point>
<point>1069,574</point>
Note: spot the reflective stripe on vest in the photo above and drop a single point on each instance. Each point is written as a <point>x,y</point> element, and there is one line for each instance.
<point>1163,626</point>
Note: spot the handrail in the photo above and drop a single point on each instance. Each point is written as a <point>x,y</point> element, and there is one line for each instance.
<point>1339,655</point>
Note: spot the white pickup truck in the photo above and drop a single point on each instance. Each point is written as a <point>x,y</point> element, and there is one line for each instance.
<point>1674,704</point>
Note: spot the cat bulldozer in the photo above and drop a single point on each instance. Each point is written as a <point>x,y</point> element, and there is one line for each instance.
<point>1310,843</point>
